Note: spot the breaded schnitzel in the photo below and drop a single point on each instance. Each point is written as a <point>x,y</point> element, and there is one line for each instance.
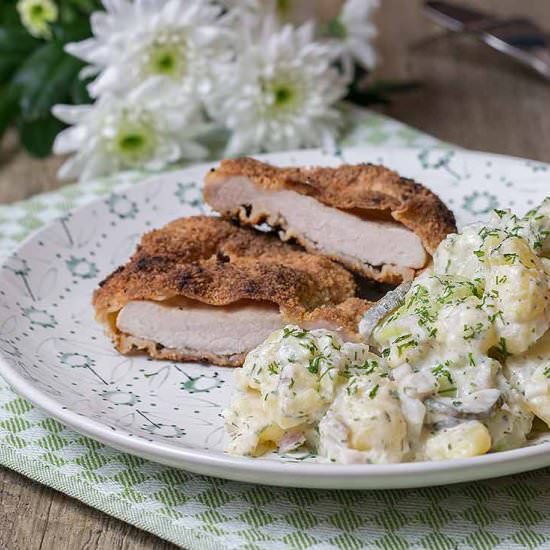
<point>202,288</point>
<point>367,217</point>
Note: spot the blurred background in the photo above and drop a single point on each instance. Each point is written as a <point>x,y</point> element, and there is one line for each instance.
<point>472,95</point>
<point>469,94</point>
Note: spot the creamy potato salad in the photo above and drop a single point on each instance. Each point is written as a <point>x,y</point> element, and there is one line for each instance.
<point>460,368</point>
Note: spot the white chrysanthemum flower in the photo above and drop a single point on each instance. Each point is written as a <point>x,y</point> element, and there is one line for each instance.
<point>148,129</point>
<point>355,32</point>
<point>280,91</point>
<point>135,40</point>
<point>37,16</point>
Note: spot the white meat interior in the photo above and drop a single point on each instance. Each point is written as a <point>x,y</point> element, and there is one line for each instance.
<point>185,325</point>
<point>330,231</point>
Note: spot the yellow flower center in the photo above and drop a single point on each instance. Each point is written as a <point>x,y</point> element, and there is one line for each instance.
<point>166,55</point>
<point>134,139</point>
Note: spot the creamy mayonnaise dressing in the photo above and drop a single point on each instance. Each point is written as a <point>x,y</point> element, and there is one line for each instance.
<point>461,368</point>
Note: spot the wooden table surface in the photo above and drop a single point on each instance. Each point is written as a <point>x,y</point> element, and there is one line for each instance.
<point>471,96</point>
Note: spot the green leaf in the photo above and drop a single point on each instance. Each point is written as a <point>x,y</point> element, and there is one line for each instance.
<point>34,70</point>
<point>8,65</point>
<point>73,31</point>
<point>45,79</point>
<point>9,99</point>
<point>56,89</point>
<point>15,46</point>
<point>79,91</point>
<point>8,15</point>
<point>37,136</point>
<point>72,10</point>
<point>17,40</point>
<point>87,6</point>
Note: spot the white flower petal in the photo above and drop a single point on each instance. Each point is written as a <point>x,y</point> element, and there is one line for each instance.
<point>279,91</point>
<point>70,114</point>
<point>129,35</point>
<point>69,140</point>
<point>146,129</point>
<point>355,17</point>
<point>84,49</point>
<point>71,168</point>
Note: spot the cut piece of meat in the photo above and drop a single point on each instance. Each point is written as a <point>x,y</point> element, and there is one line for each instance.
<point>191,328</point>
<point>367,217</point>
<point>202,288</point>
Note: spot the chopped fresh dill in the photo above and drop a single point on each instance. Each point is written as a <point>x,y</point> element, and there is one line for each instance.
<point>296,332</point>
<point>471,332</point>
<point>351,388</point>
<point>335,345</point>
<point>495,316</point>
<point>314,363</point>
<point>368,367</point>
<point>374,391</point>
<point>500,351</point>
<point>510,258</point>
<point>448,392</point>
<point>273,367</point>
<point>439,371</point>
<point>402,338</point>
<point>405,345</point>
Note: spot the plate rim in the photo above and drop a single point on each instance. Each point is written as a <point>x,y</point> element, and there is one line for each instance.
<point>267,471</point>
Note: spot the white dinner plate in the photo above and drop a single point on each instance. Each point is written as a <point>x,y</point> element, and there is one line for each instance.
<point>54,353</point>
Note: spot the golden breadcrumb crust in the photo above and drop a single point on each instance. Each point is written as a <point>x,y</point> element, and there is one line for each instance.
<point>215,262</point>
<point>365,187</point>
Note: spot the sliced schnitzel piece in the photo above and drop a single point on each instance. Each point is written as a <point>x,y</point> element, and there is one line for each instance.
<point>367,217</point>
<point>204,289</point>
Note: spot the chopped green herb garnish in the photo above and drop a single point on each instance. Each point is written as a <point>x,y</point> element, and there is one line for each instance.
<point>448,392</point>
<point>374,391</point>
<point>471,332</point>
<point>273,367</point>
<point>402,337</point>
<point>296,332</point>
<point>501,351</point>
<point>351,388</point>
<point>441,372</point>
<point>314,362</point>
<point>510,258</point>
<point>406,345</point>
<point>335,345</point>
<point>495,316</point>
<point>368,367</point>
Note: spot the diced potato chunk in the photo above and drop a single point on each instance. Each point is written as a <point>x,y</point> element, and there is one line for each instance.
<point>463,441</point>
